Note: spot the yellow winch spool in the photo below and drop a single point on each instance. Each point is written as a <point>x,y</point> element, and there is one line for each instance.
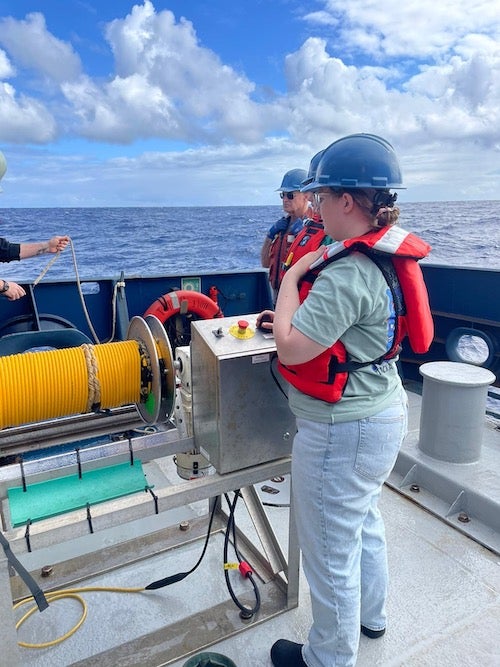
<point>36,386</point>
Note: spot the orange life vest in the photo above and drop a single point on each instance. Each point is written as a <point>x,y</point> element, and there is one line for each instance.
<point>396,252</point>
<point>310,237</point>
<point>278,252</point>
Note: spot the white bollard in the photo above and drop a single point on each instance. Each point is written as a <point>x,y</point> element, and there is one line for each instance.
<point>453,410</point>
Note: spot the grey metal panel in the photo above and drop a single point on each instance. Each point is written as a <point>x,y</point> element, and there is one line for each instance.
<point>240,416</point>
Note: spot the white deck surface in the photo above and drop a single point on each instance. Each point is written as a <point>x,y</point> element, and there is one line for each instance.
<point>444,603</point>
<point>443,608</point>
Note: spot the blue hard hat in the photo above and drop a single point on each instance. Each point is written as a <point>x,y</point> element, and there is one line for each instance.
<point>313,167</point>
<point>358,161</point>
<point>292,180</point>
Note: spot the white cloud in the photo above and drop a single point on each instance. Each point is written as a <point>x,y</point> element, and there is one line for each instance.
<point>23,119</point>
<point>32,46</point>
<point>128,108</point>
<point>417,28</point>
<point>228,175</point>
<point>167,86</point>
<point>6,68</point>
<point>431,172</point>
<point>210,175</point>
<point>457,98</point>
<point>424,74</point>
<point>331,98</point>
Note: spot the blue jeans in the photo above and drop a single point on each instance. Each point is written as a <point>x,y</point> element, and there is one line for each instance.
<point>337,475</point>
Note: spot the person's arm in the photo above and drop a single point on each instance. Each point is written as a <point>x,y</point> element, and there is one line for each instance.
<point>53,245</point>
<point>264,253</point>
<point>9,252</point>
<point>293,347</point>
<point>11,290</point>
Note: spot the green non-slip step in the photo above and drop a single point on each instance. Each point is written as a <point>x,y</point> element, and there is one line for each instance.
<point>64,494</point>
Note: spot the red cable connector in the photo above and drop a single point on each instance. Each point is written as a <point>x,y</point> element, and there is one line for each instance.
<point>245,569</point>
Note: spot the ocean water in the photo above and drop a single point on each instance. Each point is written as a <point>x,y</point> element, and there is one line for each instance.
<point>155,241</point>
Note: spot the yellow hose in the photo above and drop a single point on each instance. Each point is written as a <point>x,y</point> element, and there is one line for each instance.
<point>36,386</point>
<point>59,595</point>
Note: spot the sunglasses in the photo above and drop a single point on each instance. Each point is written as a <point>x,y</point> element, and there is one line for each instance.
<point>288,195</point>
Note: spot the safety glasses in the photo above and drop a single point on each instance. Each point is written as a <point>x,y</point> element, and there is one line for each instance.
<point>320,197</point>
<point>288,195</point>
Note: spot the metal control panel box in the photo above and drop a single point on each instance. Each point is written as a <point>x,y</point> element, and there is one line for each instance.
<point>240,416</point>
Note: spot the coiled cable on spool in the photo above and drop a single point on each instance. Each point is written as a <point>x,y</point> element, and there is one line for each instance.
<point>33,386</point>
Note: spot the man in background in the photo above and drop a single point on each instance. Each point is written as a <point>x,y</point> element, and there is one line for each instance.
<point>297,209</point>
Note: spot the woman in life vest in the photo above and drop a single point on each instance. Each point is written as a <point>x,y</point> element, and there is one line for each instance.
<point>296,209</point>
<point>347,442</point>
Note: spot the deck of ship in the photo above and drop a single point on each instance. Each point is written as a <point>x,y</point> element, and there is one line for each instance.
<point>443,607</point>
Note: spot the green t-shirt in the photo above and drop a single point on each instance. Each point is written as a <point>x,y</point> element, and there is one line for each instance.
<point>350,301</point>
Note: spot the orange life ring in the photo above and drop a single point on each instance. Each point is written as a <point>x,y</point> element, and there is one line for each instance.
<point>183,302</point>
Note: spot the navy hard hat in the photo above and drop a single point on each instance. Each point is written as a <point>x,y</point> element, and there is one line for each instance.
<point>292,180</point>
<point>358,161</point>
<point>313,167</point>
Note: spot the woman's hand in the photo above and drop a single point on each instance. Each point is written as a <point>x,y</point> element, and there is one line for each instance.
<point>265,320</point>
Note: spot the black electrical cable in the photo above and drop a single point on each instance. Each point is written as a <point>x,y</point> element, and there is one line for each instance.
<point>272,370</point>
<point>231,528</point>
<point>247,573</point>
<point>274,361</point>
<point>172,579</point>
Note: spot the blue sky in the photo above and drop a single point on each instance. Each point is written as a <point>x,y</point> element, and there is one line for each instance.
<point>168,103</point>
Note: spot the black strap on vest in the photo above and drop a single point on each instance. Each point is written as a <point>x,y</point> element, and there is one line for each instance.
<point>384,262</point>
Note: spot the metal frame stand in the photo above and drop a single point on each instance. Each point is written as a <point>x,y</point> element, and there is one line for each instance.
<point>278,575</point>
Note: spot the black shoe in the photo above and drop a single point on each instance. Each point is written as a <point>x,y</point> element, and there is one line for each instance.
<point>373,634</point>
<point>285,653</point>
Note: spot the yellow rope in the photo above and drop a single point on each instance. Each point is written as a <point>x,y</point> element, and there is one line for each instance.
<point>94,388</point>
<point>36,386</point>
<point>59,595</point>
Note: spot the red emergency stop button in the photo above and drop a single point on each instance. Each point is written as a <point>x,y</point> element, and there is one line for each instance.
<point>242,326</point>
